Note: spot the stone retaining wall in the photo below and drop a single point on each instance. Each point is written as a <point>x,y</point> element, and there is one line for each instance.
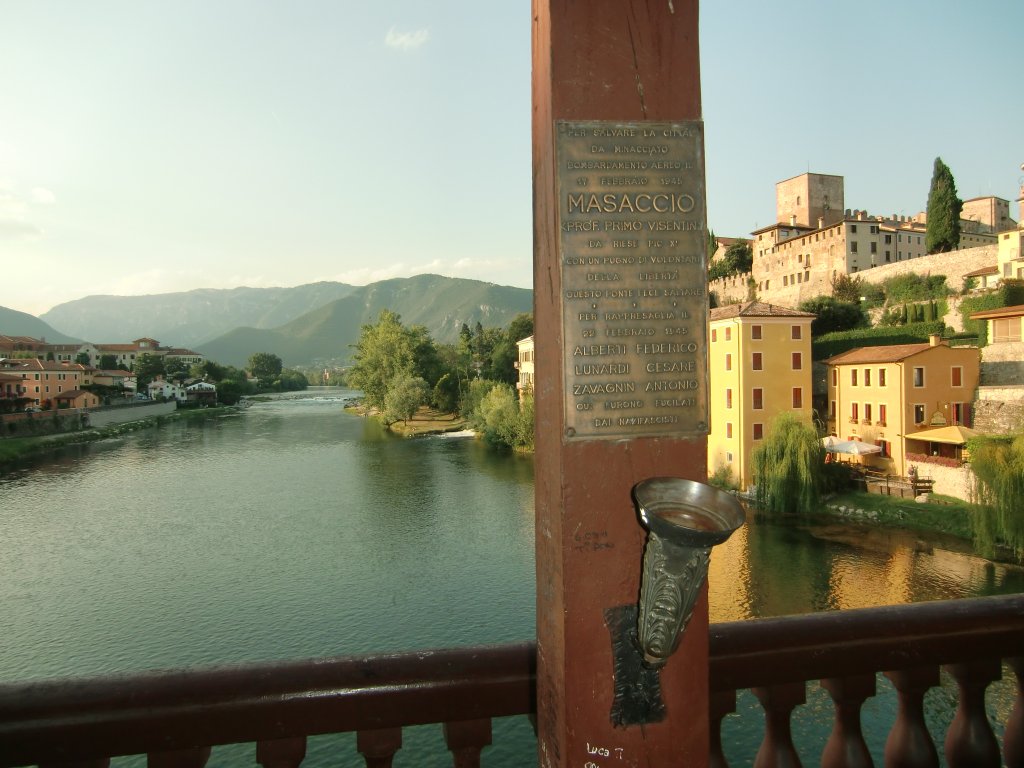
<point>102,417</point>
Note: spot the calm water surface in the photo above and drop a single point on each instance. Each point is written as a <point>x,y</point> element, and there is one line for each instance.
<point>295,529</point>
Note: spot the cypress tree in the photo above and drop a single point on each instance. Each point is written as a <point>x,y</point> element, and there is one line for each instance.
<point>943,233</point>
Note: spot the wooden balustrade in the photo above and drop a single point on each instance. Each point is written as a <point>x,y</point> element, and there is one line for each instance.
<point>175,717</point>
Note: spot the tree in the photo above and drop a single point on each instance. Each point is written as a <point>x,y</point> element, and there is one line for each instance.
<point>944,207</point>
<point>404,397</point>
<point>147,367</point>
<point>846,288</point>
<point>175,368</point>
<point>108,362</point>
<point>521,327</point>
<point>265,366</point>
<point>738,259</point>
<point>82,358</point>
<point>833,315</point>
<point>228,392</point>
<point>998,467</point>
<point>788,467</point>
<point>383,353</point>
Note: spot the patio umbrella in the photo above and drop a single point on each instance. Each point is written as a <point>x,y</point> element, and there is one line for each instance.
<point>854,448</point>
<point>829,441</point>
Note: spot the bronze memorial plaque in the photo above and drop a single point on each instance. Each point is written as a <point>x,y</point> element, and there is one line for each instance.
<point>634,278</point>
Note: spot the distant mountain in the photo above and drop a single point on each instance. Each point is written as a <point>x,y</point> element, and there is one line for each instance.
<point>442,304</point>
<point>15,323</point>
<point>187,319</point>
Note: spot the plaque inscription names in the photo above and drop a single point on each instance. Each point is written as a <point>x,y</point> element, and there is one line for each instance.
<point>634,278</point>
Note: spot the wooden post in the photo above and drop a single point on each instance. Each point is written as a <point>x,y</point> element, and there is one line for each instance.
<point>600,63</point>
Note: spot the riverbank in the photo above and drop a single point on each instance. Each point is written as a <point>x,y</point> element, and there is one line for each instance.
<point>426,421</point>
<point>17,449</point>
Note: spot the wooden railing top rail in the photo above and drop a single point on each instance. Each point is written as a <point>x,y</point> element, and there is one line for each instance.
<point>82,719</point>
<point>758,652</point>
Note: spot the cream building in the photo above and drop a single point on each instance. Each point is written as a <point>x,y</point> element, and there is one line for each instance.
<point>525,365</point>
<point>759,362</point>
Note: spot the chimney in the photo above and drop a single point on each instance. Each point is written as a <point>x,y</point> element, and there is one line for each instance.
<point>821,222</point>
<point>934,340</point>
<point>792,220</point>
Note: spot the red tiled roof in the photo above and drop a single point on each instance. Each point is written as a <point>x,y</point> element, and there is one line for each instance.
<point>890,353</point>
<point>755,309</point>
<point>1015,311</point>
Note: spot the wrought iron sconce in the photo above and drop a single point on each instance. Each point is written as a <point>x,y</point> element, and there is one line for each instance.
<point>684,520</point>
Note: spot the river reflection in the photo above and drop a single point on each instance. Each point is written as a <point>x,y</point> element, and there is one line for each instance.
<point>296,530</point>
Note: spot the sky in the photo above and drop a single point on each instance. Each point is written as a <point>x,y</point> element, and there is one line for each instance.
<point>150,146</point>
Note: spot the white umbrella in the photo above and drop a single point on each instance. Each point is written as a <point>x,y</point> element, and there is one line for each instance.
<point>855,448</point>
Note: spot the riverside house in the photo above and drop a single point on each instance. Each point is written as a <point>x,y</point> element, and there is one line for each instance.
<point>759,363</point>
<point>885,395</point>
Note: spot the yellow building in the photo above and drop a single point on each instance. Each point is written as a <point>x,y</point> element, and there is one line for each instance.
<point>1010,257</point>
<point>884,395</point>
<point>759,361</point>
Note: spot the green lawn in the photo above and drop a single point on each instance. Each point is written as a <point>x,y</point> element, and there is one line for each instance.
<point>942,514</point>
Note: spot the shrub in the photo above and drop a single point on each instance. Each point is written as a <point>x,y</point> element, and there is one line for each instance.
<point>998,466</point>
<point>1010,293</point>
<point>836,343</point>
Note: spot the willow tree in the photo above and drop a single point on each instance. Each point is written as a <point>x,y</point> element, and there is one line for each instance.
<point>788,467</point>
<point>998,466</point>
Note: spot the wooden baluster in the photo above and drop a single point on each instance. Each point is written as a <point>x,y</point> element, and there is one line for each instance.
<point>778,701</point>
<point>195,757</point>
<point>378,747</point>
<point>722,703</point>
<point>281,753</point>
<point>466,739</point>
<point>1013,737</point>
<point>846,747</point>
<point>909,744</point>
<point>970,742</point>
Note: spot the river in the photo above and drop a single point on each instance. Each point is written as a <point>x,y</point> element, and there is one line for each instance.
<point>294,529</point>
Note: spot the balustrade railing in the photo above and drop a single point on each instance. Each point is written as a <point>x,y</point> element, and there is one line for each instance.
<point>176,717</point>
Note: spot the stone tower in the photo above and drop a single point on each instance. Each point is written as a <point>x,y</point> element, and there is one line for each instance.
<point>812,200</point>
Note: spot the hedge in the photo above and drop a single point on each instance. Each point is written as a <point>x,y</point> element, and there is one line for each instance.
<point>1009,294</point>
<point>831,344</point>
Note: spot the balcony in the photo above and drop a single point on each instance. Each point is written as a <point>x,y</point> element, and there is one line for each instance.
<point>176,717</point>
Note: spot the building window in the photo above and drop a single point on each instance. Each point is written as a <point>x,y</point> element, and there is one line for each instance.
<point>853,377</point>
<point>962,414</point>
<point>755,331</point>
<point>958,376</point>
<point>728,398</point>
<point>728,456</point>
<point>759,431</point>
<point>728,334</point>
<point>798,397</point>
<point>714,334</point>
<point>881,377</point>
<point>919,413</point>
<point>795,332</point>
<point>918,376</point>
<point>867,377</point>
<point>853,228</point>
<point>798,361</point>
<point>756,362</point>
<point>728,362</point>
<point>835,377</point>
<point>854,411</point>
<point>728,430</point>
<point>867,411</point>
<point>886,452</point>
<point>757,398</point>
<point>881,414</point>
<point>853,247</point>
<point>874,248</point>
